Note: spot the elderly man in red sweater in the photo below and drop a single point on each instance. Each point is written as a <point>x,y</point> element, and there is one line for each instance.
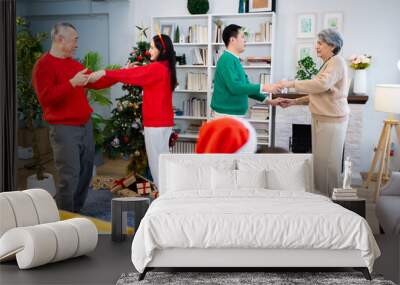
<point>60,83</point>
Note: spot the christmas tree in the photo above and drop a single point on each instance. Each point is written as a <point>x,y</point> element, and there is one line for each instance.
<point>124,130</point>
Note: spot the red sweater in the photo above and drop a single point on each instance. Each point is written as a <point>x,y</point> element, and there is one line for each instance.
<point>61,103</point>
<point>157,94</point>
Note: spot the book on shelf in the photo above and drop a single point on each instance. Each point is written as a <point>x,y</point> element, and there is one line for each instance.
<point>265,78</point>
<point>196,81</point>
<point>200,56</point>
<point>218,33</point>
<point>344,194</point>
<point>195,107</point>
<point>184,147</point>
<point>197,34</point>
<point>266,31</point>
<point>217,54</point>
<point>258,61</point>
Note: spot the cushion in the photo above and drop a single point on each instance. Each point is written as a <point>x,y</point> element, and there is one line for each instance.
<point>184,177</point>
<point>223,179</point>
<point>291,173</point>
<point>251,178</point>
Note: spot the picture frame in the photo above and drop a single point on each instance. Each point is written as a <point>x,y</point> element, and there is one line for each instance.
<point>167,28</point>
<point>334,21</point>
<point>305,49</point>
<point>306,25</point>
<point>261,6</point>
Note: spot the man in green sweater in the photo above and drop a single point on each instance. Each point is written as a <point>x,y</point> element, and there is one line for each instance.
<point>231,85</point>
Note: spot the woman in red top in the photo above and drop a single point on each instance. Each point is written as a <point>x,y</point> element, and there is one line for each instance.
<point>158,80</point>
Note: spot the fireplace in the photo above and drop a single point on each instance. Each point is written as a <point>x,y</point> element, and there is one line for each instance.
<point>300,141</point>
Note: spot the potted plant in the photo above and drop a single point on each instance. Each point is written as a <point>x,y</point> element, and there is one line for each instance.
<point>306,68</point>
<point>92,61</point>
<point>360,63</point>
<point>28,51</point>
<point>198,6</point>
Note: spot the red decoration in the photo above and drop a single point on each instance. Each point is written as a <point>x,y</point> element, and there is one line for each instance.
<point>173,138</point>
<point>125,139</point>
<point>139,58</point>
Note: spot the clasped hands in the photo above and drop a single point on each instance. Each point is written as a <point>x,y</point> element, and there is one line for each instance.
<point>278,87</point>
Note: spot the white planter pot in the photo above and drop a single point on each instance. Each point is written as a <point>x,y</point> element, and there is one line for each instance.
<point>360,81</point>
<point>47,183</point>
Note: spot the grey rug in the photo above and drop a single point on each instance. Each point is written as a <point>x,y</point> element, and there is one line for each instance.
<point>243,278</point>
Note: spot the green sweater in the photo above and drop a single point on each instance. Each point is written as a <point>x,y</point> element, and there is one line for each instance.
<point>232,87</point>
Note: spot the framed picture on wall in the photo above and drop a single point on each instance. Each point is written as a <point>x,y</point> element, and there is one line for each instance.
<point>334,21</point>
<point>261,5</point>
<point>167,28</point>
<point>306,25</point>
<point>305,49</point>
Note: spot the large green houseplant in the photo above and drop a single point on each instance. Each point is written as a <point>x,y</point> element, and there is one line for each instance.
<point>93,62</point>
<point>28,50</point>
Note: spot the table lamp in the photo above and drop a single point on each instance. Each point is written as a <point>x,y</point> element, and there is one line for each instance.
<point>387,99</point>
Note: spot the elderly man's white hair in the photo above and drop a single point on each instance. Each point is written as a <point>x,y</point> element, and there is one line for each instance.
<point>59,28</point>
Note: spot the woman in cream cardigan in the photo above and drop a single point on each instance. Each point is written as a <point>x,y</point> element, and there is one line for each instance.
<point>327,101</point>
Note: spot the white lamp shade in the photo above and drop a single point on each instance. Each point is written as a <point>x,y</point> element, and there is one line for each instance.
<point>387,98</point>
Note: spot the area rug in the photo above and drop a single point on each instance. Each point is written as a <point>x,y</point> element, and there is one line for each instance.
<point>244,278</point>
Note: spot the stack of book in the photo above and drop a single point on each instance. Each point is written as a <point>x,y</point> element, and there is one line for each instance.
<point>197,34</point>
<point>344,194</point>
<point>265,78</point>
<point>266,31</point>
<point>195,107</point>
<point>259,112</point>
<point>196,81</point>
<point>200,56</point>
<point>184,147</point>
<point>259,60</point>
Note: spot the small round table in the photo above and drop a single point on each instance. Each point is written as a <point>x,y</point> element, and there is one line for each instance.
<point>119,209</point>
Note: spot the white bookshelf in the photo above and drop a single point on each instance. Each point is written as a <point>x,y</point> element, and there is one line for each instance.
<point>252,22</point>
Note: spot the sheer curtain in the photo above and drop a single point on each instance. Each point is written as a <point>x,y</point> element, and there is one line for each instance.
<point>8,97</point>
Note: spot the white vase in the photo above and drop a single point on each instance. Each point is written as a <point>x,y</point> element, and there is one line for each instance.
<point>47,183</point>
<point>360,81</point>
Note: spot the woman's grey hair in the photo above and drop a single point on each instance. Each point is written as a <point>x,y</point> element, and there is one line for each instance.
<point>333,38</point>
<point>59,28</point>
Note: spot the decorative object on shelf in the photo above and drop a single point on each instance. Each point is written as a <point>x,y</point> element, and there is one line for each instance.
<point>334,21</point>
<point>360,63</point>
<point>306,25</point>
<point>243,6</point>
<point>167,28</point>
<point>177,35</point>
<point>306,68</point>
<point>347,174</point>
<point>218,30</point>
<point>181,59</point>
<point>261,5</point>
<point>387,99</point>
<point>198,6</point>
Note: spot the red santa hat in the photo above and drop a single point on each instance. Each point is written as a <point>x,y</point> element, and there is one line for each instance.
<point>227,135</point>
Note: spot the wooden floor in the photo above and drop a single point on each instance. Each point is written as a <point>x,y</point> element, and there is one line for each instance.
<point>110,259</point>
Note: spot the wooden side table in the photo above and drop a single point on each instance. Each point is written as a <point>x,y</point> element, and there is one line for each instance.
<point>357,205</point>
<point>119,209</point>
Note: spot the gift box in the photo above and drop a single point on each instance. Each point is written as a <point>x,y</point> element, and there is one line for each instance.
<point>126,193</point>
<point>123,183</point>
<point>143,188</point>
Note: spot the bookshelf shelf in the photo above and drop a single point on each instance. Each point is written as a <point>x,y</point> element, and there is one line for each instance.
<point>189,118</point>
<point>191,91</point>
<point>200,41</point>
